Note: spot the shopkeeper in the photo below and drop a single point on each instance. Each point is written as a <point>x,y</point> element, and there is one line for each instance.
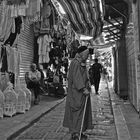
<point>34,78</point>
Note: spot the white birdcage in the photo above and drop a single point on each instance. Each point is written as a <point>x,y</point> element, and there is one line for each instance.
<point>21,102</point>
<point>10,101</point>
<point>1,104</point>
<point>28,97</point>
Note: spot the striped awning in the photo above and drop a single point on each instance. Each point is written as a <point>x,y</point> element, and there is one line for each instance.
<point>84,16</point>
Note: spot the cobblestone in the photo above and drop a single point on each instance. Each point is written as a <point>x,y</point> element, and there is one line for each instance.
<point>49,127</point>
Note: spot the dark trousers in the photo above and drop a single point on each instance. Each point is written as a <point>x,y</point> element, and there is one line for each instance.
<point>96,83</point>
<point>35,86</point>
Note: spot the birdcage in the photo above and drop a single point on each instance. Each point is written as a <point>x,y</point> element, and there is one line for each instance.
<point>1,104</point>
<point>28,97</point>
<point>10,101</point>
<point>21,102</point>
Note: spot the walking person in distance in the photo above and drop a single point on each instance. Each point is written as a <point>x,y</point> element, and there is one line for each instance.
<point>96,74</point>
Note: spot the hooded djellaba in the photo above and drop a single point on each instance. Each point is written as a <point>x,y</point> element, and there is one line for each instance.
<point>78,90</point>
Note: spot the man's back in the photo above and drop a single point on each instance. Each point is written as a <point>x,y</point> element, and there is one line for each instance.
<point>96,69</point>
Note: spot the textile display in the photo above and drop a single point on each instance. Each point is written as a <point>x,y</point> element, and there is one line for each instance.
<point>4,80</point>
<point>12,37</point>
<point>44,48</point>
<point>33,7</point>
<point>7,24</point>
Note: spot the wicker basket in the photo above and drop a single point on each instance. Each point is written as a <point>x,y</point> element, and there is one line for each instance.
<point>21,102</point>
<point>1,103</point>
<point>10,102</point>
<point>28,97</point>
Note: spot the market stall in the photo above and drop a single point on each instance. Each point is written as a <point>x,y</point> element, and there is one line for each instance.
<point>46,32</point>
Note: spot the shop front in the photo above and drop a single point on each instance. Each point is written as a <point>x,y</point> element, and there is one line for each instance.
<point>37,31</point>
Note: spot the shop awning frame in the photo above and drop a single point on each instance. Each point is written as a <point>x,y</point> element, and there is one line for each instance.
<point>115,19</point>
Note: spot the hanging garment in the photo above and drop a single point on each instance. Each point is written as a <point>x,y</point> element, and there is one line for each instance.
<point>22,10</point>
<point>52,17</point>
<point>39,41</point>
<point>10,59</point>
<point>13,60</point>
<point>7,24</point>
<point>14,10</point>
<point>40,48</point>
<point>44,48</point>
<point>4,80</point>
<point>16,2</point>
<point>18,10</point>
<point>2,11</point>
<point>3,24</point>
<point>12,77</point>
<point>33,7</point>
<point>17,61</point>
<point>69,35</point>
<point>13,36</point>
<point>46,10</point>
<point>36,26</point>
<point>45,14</point>
<point>1,57</point>
<point>4,67</point>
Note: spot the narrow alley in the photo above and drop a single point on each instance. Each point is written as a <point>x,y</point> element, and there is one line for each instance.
<point>46,46</point>
<point>49,127</point>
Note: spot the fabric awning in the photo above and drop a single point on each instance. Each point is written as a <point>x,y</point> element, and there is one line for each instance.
<point>84,16</point>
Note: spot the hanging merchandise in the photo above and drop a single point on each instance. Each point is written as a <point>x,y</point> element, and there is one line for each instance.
<point>12,37</point>
<point>18,10</point>
<point>36,26</point>
<point>16,2</point>
<point>4,63</point>
<point>33,11</point>
<point>73,48</point>
<point>69,35</point>
<point>1,104</point>
<point>45,14</point>
<point>33,7</point>
<point>47,20</point>
<point>4,79</point>
<point>2,12</point>
<point>7,24</point>
<point>13,59</point>
<point>12,77</point>
<point>44,48</point>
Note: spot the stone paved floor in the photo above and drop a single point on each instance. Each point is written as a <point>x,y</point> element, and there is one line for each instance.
<point>49,127</point>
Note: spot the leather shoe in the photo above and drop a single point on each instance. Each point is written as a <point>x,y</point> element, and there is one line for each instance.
<point>84,136</point>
